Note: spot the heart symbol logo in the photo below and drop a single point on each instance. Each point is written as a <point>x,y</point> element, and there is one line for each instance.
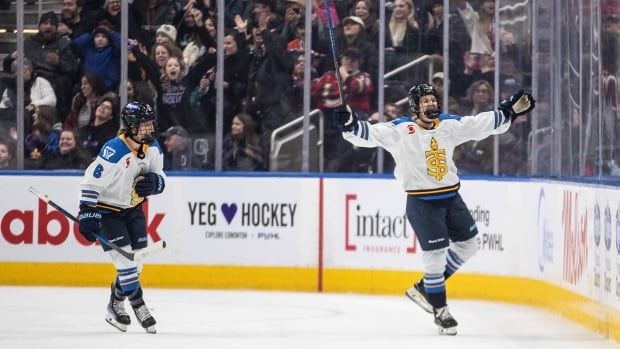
<point>229,211</point>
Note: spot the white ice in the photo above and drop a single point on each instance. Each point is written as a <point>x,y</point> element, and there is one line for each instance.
<point>58,317</point>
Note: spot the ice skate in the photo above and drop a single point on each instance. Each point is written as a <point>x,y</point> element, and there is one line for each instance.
<point>418,294</point>
<point>444,321</point>
<point>117,316</point>
<point>145,318</point>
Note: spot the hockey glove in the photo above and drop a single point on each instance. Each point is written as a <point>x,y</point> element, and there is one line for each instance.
<point>89,222</point>
<point>345,119</point>
<point>149,184</point>
<point>518,104</point>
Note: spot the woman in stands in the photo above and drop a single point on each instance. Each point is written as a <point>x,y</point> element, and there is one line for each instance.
<point>84,102</point>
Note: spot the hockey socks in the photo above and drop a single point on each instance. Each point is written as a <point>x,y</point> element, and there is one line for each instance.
<point>435,287</point>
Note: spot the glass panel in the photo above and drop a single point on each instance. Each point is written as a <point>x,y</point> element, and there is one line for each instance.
<point>515,67</point>
<point>472,71</point>
<point>8,120</point>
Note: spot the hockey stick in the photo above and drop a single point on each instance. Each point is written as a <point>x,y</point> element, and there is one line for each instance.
<point>132,256</point>
<point>330,26</point>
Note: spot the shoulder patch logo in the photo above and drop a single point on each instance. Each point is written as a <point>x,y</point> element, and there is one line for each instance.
<point>108,152</point>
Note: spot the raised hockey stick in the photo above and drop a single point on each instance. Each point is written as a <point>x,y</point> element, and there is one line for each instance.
<point>332,41</point>
<point>132,256</point>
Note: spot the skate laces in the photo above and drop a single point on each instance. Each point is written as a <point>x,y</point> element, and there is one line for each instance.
<point>118,307</point>
<point>443,313</point>
<point>142,313</point>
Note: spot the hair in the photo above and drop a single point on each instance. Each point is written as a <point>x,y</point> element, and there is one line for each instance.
<point>399,29</point>
<point>173,50</point>
<point>95,81</point>
<point>47,118</point>
<point>249,129</point>
<point>165,82</point>
<point>372,15</point>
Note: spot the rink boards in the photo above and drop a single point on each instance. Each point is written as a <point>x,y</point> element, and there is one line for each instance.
<point>545,243</point>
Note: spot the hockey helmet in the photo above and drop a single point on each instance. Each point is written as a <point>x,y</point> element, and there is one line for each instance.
<point>419,90</point>
<point>135,113</point>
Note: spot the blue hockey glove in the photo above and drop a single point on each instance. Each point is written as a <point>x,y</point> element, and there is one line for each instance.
<point>89,222</point>
<point>518,104</point>
<point>345,119</point>
<point>149,184</point>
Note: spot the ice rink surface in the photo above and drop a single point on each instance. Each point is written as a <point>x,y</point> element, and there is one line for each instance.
<point>58,317</point>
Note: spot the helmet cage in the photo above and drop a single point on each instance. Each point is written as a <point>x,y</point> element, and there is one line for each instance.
<point>420,90</point>
<point>136,113</point>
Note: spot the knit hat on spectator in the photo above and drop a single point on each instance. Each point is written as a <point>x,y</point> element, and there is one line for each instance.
<point>49,16</point>
<point>169,30</point>
<point>353,20</point>
<point>102,30</point>
<point>437,75</point>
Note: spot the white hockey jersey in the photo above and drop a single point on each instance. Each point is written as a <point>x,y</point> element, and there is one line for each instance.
<point>109,180</point>
<point>424,165</point>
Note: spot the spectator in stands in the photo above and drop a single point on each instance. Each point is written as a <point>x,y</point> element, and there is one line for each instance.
<point>476,157</point>
<point>269,82</point>
<point>42,140</point>
<point>357,85</point>
<point>37,90</point>
<point>7,155</point>
<point>74,23</point>
<point>103,127</point>
<point>294,12</point>
<point>155,13</point>
<point>356,88</point>
<point>266,16</point>
<point>162,52</point>
<point>478,24</point>
<point>71,155</point>
<point>174,88</point>
<point>85,102</point>
<point>476,67</point>
<point>186,25</point>
<point>202,42</point>
<point>365,10</point>
<point>438,83</point>
<point>432,28</point>
<point>404,30</point>
<point>52,59</point>
<point>235,85</point>
<point>353,35</point>
<point>242,150</point>
<point>166,33</point>
<point>100,52</point>
<point>179,155</point>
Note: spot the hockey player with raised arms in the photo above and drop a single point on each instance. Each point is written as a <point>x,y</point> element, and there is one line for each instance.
<point>422,147</point>
<point>128,169</point>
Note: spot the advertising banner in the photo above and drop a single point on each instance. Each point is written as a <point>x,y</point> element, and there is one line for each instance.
<point>214,221</point>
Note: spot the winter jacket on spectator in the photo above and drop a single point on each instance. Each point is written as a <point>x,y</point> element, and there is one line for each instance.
<point>104,61</point>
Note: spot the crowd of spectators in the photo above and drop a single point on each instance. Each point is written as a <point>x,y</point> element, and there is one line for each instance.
<point>72,75</point>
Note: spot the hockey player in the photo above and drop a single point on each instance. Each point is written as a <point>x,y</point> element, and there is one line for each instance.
<point>127,170</point>
<point>422,146</point>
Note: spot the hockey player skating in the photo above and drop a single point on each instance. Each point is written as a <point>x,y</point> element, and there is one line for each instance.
<point>127,170</point>
<point>422,147</point>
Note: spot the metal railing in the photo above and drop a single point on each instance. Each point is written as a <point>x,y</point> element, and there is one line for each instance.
<point>293,131</point>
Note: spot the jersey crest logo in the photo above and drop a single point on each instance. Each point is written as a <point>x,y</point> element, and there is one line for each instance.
<point>410,129</point>
<point>108,152</point>
<point>436,163</point>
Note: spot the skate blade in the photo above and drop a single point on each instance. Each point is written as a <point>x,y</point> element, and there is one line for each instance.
<point>115,324</point>
<point>448,331</point>
<point>151,330</point>
<point>418,299</point>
